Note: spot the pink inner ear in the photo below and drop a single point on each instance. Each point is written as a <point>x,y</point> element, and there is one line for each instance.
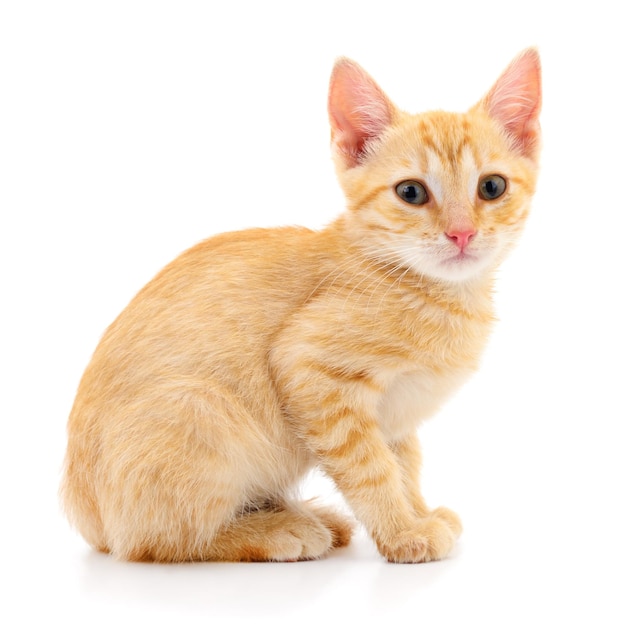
<point>358,109</point>
<point>515,101</point>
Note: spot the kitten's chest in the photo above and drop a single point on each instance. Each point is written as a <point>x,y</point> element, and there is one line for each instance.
<point>437,369</point>
<point>414,396</point>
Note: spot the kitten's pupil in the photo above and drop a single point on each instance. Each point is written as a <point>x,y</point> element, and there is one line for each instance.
<point>412,191</point>
<point>492,187</point>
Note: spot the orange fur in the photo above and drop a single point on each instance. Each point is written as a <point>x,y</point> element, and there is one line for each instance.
<point>256,355</point>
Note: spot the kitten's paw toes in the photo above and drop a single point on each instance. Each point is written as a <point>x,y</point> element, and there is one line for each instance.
<point>431,539</point>
<point>301,543</point>
<point>314,541</point>
<point>452,520</point>
<point>283,546</point>
<point>289,533</point>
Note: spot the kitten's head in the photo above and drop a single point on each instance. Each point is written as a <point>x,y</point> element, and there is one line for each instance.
<point>445,194</point>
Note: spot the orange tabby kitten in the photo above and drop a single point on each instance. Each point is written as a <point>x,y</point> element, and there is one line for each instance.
<point>259,354</point>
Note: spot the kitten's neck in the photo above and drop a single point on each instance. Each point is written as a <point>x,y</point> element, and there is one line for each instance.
<point>471,298</point>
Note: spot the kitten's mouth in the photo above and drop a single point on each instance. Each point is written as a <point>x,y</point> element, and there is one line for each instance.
<point>460,259</point>
<point>460,266</point>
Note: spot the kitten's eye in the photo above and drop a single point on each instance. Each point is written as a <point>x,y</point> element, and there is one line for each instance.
<point>491,187</point>
<point>412,191</point>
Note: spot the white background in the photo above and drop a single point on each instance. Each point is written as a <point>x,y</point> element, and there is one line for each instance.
<point>131,130</point>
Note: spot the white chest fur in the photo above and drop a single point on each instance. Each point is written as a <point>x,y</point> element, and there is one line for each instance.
<point>413,396</point>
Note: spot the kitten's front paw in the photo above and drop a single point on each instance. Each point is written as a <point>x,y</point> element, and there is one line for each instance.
<point>431,539</point>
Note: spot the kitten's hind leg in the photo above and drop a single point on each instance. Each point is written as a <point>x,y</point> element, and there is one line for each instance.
<point>284,532</point>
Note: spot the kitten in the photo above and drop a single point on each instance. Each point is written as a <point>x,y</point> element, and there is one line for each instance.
<point>258,354</point>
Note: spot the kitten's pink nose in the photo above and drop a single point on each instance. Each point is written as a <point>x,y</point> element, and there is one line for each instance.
<point>461,237</point>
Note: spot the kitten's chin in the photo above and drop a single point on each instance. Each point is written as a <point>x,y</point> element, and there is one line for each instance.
<point>458,268</point>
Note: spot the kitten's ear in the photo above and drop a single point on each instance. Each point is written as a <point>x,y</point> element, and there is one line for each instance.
<point>515,100</point>
<point>359,111</point>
